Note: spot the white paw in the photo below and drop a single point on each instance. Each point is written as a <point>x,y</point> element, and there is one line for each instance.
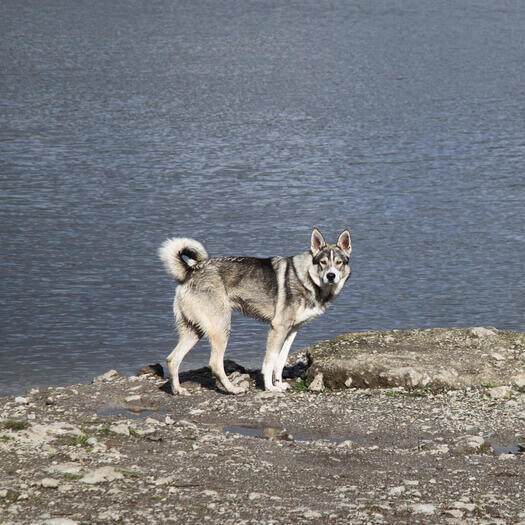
<point>180,391</point>
<point>282,387</point>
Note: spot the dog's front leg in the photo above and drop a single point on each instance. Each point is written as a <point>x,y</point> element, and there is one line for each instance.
<point>281,361</point>
<point>276,339</point>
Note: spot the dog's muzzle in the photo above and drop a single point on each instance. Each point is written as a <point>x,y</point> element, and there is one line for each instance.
<point>331,278</point>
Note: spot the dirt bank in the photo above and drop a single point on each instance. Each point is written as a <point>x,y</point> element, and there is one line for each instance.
<point>123,450</point>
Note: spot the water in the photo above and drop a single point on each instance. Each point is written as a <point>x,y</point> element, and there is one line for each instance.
<point>245,124</point>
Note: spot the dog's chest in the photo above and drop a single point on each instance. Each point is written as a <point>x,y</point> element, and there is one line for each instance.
<point>306,313</point>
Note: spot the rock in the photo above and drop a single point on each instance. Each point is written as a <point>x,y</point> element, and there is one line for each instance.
<point>22,400</point>
<point>111,375</point>
<point>424,508</point>
<point>61,521</point>
<point>120,428</point>
<point>519,381</point>
<point>396,491</point>
<point>500,392</point>
<point>453,513</point>
<point>155,370</point>
<point>101,475</point>
<point>480,331</point>
<point>471,445</point>
<point>132,398</point>
<point>49,483</point>
<point>109,515</point>
<point>40,434</point>
<point>312,514</point>
<point>438,358</point>
<point>317,384</point>
<point>64,468</point>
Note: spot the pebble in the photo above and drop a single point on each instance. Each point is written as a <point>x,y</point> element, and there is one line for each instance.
<point>61,521</point>
<point>120,428</point>
<point>500,392</point>
<point>49,483</point>
<point>101,474</point>
<point>423,508</point>
<point>317,384</point>
<point>111,375</point>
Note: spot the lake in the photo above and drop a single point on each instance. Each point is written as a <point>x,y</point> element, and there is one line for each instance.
<point>244,125</point>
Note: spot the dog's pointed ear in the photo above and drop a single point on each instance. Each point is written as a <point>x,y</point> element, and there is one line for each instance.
<point>344,242</point>
<point>318,242</point>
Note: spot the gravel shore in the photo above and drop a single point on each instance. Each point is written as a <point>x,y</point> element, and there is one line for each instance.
<point>124,450</point>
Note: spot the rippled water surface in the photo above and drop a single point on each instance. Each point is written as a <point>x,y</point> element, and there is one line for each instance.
<point>245,124</point>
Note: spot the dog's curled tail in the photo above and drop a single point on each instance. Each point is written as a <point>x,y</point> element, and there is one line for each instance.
<point>180,255</point>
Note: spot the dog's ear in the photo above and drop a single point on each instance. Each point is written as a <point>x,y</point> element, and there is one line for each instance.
<point>345,243</point>
<point>318,242</point>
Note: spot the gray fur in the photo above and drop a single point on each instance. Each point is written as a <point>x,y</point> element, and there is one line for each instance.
<point>283,291</point>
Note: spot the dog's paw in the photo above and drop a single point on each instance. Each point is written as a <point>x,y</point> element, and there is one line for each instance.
<point>281,387</point>
<point>180,391</point>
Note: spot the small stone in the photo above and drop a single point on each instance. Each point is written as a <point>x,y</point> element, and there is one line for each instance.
<point>101,475</point>
<point>424,508</point>
<point>168,420</point>
<point>111,375</point>
<point>21,400</point>
<point>49,483</point>
<point>132,398</point>
<point>65,468</point>
<point>453,513</point>
<point>120,428</point>
<point>396,491</point>
<point>312,514</point>
<point>519,382</point>
<point>500,392</point>
<point>480,331</point>
<point>61,521</point>
<point>497,357</point>
<point>155,370</point>
<point>255,495</point>
<point>348,382</point>
<point>469,507</point>
<point>109,515</point>
<point>470,444</point>
<point>347,443</point>
<point>317,384</point>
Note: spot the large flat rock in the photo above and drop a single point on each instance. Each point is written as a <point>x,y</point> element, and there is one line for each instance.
<point>442,358</point>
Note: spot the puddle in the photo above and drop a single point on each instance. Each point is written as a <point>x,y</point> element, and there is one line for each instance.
<point>139,413</point>
<point>273,433</point>
<point>498,448</point>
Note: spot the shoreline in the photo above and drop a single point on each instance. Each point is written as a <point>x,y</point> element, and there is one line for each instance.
<point>123,450</point>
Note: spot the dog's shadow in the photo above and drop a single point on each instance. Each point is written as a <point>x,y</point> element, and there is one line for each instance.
<point>203,377</point>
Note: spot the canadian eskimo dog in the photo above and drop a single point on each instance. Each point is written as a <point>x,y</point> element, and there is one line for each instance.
<point>283,291</point>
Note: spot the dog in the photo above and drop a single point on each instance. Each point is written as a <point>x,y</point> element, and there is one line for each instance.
<point>286,292</point>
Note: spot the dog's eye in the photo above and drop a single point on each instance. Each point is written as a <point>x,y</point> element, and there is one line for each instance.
<point>338,262</point>
<point>324,262</point>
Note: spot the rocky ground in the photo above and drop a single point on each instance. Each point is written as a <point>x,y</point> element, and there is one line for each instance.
<point>124,450</point>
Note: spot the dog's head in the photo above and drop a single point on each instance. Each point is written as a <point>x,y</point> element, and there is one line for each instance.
<point>331,266</point>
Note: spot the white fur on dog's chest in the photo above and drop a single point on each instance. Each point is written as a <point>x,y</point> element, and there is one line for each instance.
<point>307,313</point>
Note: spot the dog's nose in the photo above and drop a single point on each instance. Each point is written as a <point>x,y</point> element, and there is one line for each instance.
<point>330,276</point>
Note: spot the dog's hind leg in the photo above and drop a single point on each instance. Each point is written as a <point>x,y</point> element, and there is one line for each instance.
<point>218,341</point>
<point>281,361</point>
<point>188,337</point>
